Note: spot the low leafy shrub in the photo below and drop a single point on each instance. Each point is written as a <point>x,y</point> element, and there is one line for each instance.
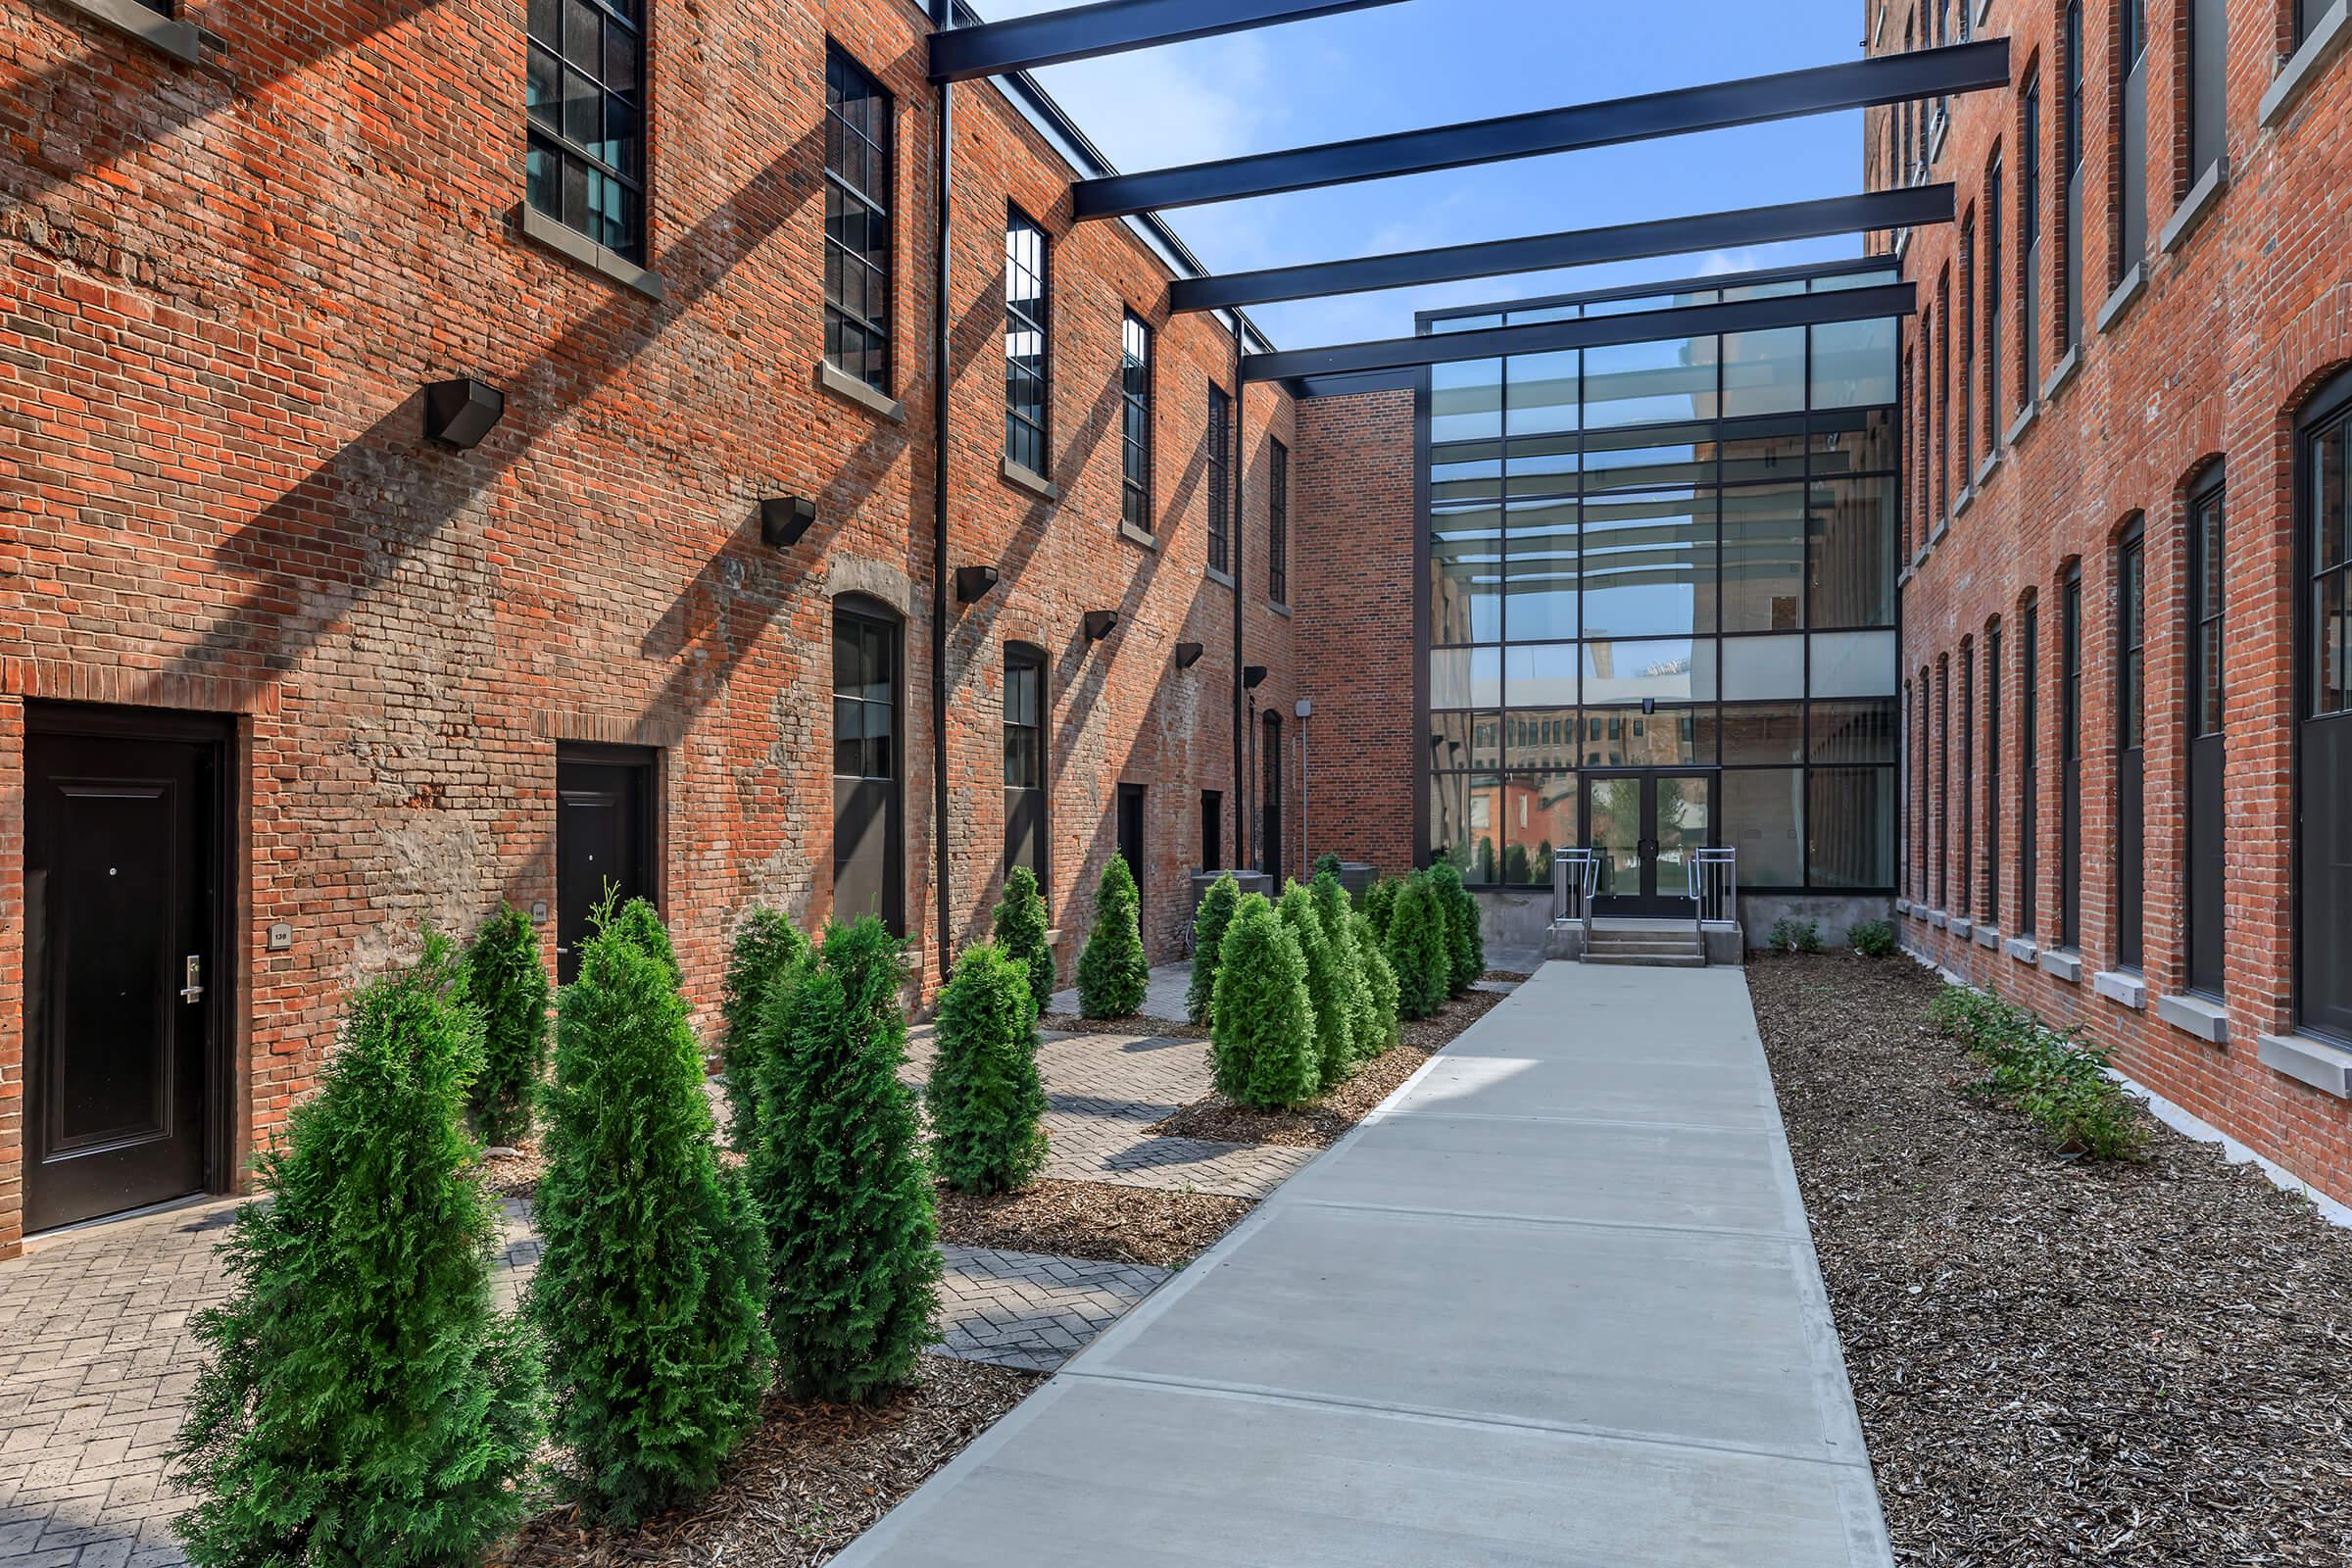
<point>506,978</point>
<point>768,957</point>
<point>1418,949</point>
<point>985,1096</point>
<point>1873,938</point>
<point>1209,939</point>
<point>1466,930</point>
<point>1791,935</point>
<point>1112,975</point>
<point>1262,1031</point>
<point>1022,924</point>
<point>2057,1078</point>
<point>1326,986</point>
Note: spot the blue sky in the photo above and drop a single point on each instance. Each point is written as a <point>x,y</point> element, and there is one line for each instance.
<point>1434,62</point>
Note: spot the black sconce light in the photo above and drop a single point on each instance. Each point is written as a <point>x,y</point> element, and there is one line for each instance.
<point>785,521</point>
<point>974,583</point>
<point>1650,705</point>
<point>1253,676</point>
<point>460,413</point>
<point>1100,623</point>
<point>1188,655</point>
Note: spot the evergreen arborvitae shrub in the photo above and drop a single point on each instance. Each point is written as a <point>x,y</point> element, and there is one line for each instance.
<point>985,1096</point>
<point>506,980</point>
<point>1262,1034</point>
<point>1326,990</point>
<point>365,1400</point>
<point>1209,939</point>
<point>653,1272</point>
<point>640,923</point>
<point>1465,933</point>
<point>839,1177</point>
<point>1326,864</point>
<point>1418,948</point>
<point>768,957</point>
<point>1021,925</point>
<point>1379,980</point>
<point>1365,1039</point>
<point>1112,975</point>
<point>1380,904</point>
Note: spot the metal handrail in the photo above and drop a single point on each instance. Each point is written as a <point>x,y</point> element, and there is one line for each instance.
<point>1713,877</point>
<point>1575,878</point>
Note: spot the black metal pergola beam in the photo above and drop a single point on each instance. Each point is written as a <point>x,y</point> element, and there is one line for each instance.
<point>1622,242</point>
<point>1551,337</point>
<point>1750,101</point>
<point>1114,26</point>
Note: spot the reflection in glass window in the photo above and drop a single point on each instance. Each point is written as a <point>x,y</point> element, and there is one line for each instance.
<point>1649,383</point>
<point>1025,342</point>
<point>584,98</point>
<point>1764,373</point>
<point>1853,364</point>
<point>1763,668</point>
<point>1756,733</point>
<point>1854,731</point>
<point>1764,557</point>
<point>1649,565</point>
<point>1543,390</point>
<point>1666,671</point>
<point>1853,664</point>
<point>1850,552</point>
<point>1540,572</point>
<point>1763,817</point>
<point>1466,575</point>
<point>1540,677</point>
<point>1850,822</point>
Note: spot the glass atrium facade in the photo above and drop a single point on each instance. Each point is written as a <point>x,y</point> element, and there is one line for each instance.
<point>1659,598</point>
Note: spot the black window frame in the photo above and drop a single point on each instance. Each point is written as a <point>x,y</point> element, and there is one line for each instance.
<point>1968,776</point>
<point>2130,746</point>
<point>1220,479</point>
<point>2071,123</point>
<point>1027,785</point>
<point>552,144</point>
<point>2206,608</point>
<point>1136,373</point>
<point>2070,817</point>
<point>1995,295</point>
<point>2028,250</point>
<point>2028,785</point>
<point>1278,522</point>
<point>1028,423</point>
<point>843,71</point>
<point>2323,734</point>
<point>881,625</point>
<point>1991,881</point>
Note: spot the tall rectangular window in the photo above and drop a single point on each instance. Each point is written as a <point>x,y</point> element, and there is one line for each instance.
<point>2208,94</point>
<point>1992,774</point>
<point>857,223</point>
<point>2207,556</point>
<point>1968,777</point>
<point>2028,787</point>
<point>1026,344</point>
<point>1278,522</point>
<point>584,90</point>
<point>1968,345</point>
<point>2322,797</point>
<point>867,803</point>
<point>1212,831</point>
<point>2132,155</point>
<point>1025,794</point>
<point>1944,400</point>
<point>2130,723</point>
<point>1994,261</point>
<point>2071,316</point>
<point>1220,479</point>
<point>1943,785</point>
<point>2070,744</point>
<point>2028,209</point>
<point>1135,422</point>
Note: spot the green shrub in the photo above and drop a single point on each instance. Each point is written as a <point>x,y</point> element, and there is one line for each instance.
<point>506,978</point>
<point>1873,938</point>
<point>1418,949</point>
<point>365,1402</point>
<point>2058,1079</point>
<point>1366,1037</point>
<point>840,1179</point>
<point>1326,990</point>
<point>1112,975</point>
<point>1465,932</point>
<point>1209,938</point>
<point>1380,979</point>
<point>1262,1033</point>
<point>1517,869</point>
<point>1022,924</point>
<point>984,1098</point>
<point>1791,935</point>
<point>653,1273</point>
<point>1380,904</point>
<point>1326,864</point>
<point>768,957</point>
<point>640,923</point>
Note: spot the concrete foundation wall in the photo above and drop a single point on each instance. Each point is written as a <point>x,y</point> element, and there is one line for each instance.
<point>1835,912</point>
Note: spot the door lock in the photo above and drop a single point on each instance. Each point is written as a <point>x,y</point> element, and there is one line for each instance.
<point>193,991</point>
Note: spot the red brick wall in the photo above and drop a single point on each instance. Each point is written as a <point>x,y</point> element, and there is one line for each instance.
<point>2236,325</point>
<point>223,288</point>
<point>1356,529</point>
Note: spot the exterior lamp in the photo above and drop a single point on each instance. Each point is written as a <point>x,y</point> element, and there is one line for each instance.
<point>1253,676</point>
<point>785,521</point>
<point>1100,623</point>
<point>975,583</point>
<point>1188,655</point>
<point>461,413</point>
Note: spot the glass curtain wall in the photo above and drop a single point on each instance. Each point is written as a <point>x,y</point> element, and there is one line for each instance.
<point>1674,557</point>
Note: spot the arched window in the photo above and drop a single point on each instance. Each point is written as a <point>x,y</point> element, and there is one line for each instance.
<point>2323,774</point>
<point>2207,556</point>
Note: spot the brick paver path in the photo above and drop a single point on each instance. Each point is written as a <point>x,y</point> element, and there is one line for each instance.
<point>1026,1309</point>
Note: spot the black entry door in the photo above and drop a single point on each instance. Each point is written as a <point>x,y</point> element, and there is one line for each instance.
<point>604,840</point>
<point>1131,835</point>
<point>1269,829</point>
<point>125,852</point>
<point>1645,828</point>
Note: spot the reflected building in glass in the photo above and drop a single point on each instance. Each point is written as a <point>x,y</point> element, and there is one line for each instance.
<point>1659,598</point>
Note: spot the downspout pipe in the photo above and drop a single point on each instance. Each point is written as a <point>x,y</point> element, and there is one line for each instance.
<point>1243,730</point>
<point>943,16</point>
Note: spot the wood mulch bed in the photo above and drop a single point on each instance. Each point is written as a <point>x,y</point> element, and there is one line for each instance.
<point>2056,1361</point>
<point>1136,1027</point>
<point>1105,1221</point>
<point>804,1485</point>
<point>1321,1122</point>
<point>514,1172</point>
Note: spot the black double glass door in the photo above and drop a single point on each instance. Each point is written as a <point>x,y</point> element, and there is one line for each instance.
<point>1647,828</point>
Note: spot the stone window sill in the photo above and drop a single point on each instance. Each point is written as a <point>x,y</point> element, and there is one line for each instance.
<point>1962,927</point>
<point>576,247</point>
<point>2201,1016</point>
<point>1282,610</point>
<point>850,389</point>
<point>1137,536</point>
<point>2063,373</point>
<point>2119,986</point>
<point>2025,949</point>
<point>1966,499</point>
<point>181,40</point>
<point>1218,575</point>
<point>2194,206</point>
<point>1988,936</point>
<point>1992,461</point>
<point>1938,919</point>
<point>1903,905</point>
<point>2065,965</point>
<point>1029,479</point>
<point>2127,294</point>
<point>2022,424</point>
<point>2304,67</point>
<point>2326,1067</point>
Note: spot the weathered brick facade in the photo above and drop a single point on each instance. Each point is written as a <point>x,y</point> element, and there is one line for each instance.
<point>225,286</point>
<point>2244,308</point>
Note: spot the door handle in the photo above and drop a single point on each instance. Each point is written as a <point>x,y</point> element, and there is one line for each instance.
<point>193,991</point>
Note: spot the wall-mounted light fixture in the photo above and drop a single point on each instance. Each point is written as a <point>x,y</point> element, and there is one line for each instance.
<point>785,521</point>
<point>1188,655</point>
<point>1100,623</point>
<point>1253,676</point>
<point>1650,705</point>
<point>461,413</point>
<point>975,583</point>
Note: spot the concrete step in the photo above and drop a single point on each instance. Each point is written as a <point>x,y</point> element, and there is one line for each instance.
<point>1649,960</point>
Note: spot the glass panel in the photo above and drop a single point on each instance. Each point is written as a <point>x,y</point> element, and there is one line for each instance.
<point>1669,737</point>
<point>1640,459</point>
<point>1649,565</point>
<point>1764,373</point>
<point>1673,670</point>
<point>1764,669</point>
<point>1465,567</point>
<point>1685,811</point>
<point>1485,677</point>
<point>1449,677</point>
<point>1450,739</point>
<point>1544,464</point>
<point>2332,674</point>
<point>1875,279</point>
<point>1541,737</point>
<point>1540,572</point>
<point>1466,323</point>
<point>1449,815</point>
<point>1647,384</point>
<point>1465,471</point>
<point>1851,551</point>
<point>1543,394</point>
<point>1530,814</point>
<point>1778,290</point>
<point>1541,677</point>
<point>1479,849</point>
<point>1855,731</point>
<point>1768,449</point>
<point>1854,664</point>
<point>1465,402</point>
<point>1762,811</point>
<point>1547,312</point>
<point>1771,732</point>
<point>1854,363</point>
<point>1764,557</point>
<point>1851,827</point>
<point>2331,515</point>
<point>1485,740</point>
<point>1617,830</point>
<point>1855,443</point>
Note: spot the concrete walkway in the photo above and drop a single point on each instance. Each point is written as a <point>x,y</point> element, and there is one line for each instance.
<point>1554,1304</point>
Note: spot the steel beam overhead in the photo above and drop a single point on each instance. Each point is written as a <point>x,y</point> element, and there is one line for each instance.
<point>1551,337</point>
<point>1752,101</point>
<point>1114,26</point>
<point>1624,242</point>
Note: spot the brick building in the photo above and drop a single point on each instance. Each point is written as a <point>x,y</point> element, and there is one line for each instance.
<point>2126,788</point>
<point>283,675</point>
